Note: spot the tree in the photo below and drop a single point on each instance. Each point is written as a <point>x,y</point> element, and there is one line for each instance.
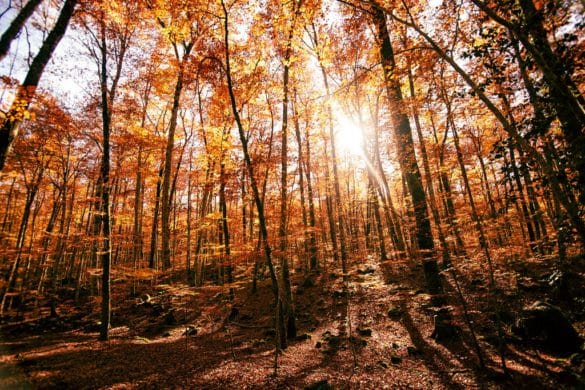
<point>26,91</point>
<point>120,34</point>
<point>251,174</point>
<point>406,155</point>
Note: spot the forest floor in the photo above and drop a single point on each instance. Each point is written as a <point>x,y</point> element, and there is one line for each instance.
<point>371,331</point>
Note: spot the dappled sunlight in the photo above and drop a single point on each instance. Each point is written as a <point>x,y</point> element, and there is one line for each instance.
<point>291,194</point>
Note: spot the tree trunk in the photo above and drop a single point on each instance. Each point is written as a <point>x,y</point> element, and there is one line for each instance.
<point>406,156</point>
<point>106,252</point>
<point>166,182</point>
<point>312,221</point>
<point>250,167</point>
<point>152,256</point>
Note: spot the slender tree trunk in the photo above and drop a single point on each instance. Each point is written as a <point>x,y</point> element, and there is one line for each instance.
<point>483,243</point>
<point>565,96</point>
<point>288,311</point>
<point>45,242</point>
<point>30,197</point>
<point>312,220</point>
<point>189,212</point>
<point>152,257</point>
<point>5,220</point>
<point>301,170</point>
<point>227,267</point>
<point>166,182</point>
<point>390,214</point>
<point>137,250</point>
<point>445,190</point>
<point>567,201</point>
<point>106,252</point>
<point>250,167</point>
<point>521,197</point>
<point>337,191</point>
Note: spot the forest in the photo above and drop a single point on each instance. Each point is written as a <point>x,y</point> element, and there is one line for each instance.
<point>298,194</point>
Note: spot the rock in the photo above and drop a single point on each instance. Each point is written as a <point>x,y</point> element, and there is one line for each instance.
<point>334,341</point>
<point>444,329</point>
<point>157,309</point>
<point>93,327</point>
<point>506,316</point>
<point>170,318</point>
<point>528,284</point>
<point>576,359</point>
<point>258,342</point>
<point>219,296</point>
<point>476,284</point>
<point>359,342</point>
<point>191,330</point>
<point>396,346</point>
<point>364,331</point>
<point>28,363</point>
<point>318,344</point>
<point>246,317</point>
<point>563,285</point>
<point>331,339</point>
<point>234,313</point>
<point>320,385</point>
<point>395,359</point>
<point>302,337</point>
<point>367,270</point>
<point>395,312</point>
<point>547,325</point>
<point>145,298</point>
<point>438,300</point>
<point>383,364</point>
<point>308,283</point>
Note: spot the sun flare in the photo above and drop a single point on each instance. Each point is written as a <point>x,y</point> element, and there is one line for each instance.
<point>349,136</point>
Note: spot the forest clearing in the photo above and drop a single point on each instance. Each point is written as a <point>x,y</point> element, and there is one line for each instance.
<point>313,194</point>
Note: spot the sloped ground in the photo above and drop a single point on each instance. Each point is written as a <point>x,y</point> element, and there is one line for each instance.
<point>371,331</point>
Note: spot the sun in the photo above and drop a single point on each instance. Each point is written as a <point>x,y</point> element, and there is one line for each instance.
<point>349,136</point>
